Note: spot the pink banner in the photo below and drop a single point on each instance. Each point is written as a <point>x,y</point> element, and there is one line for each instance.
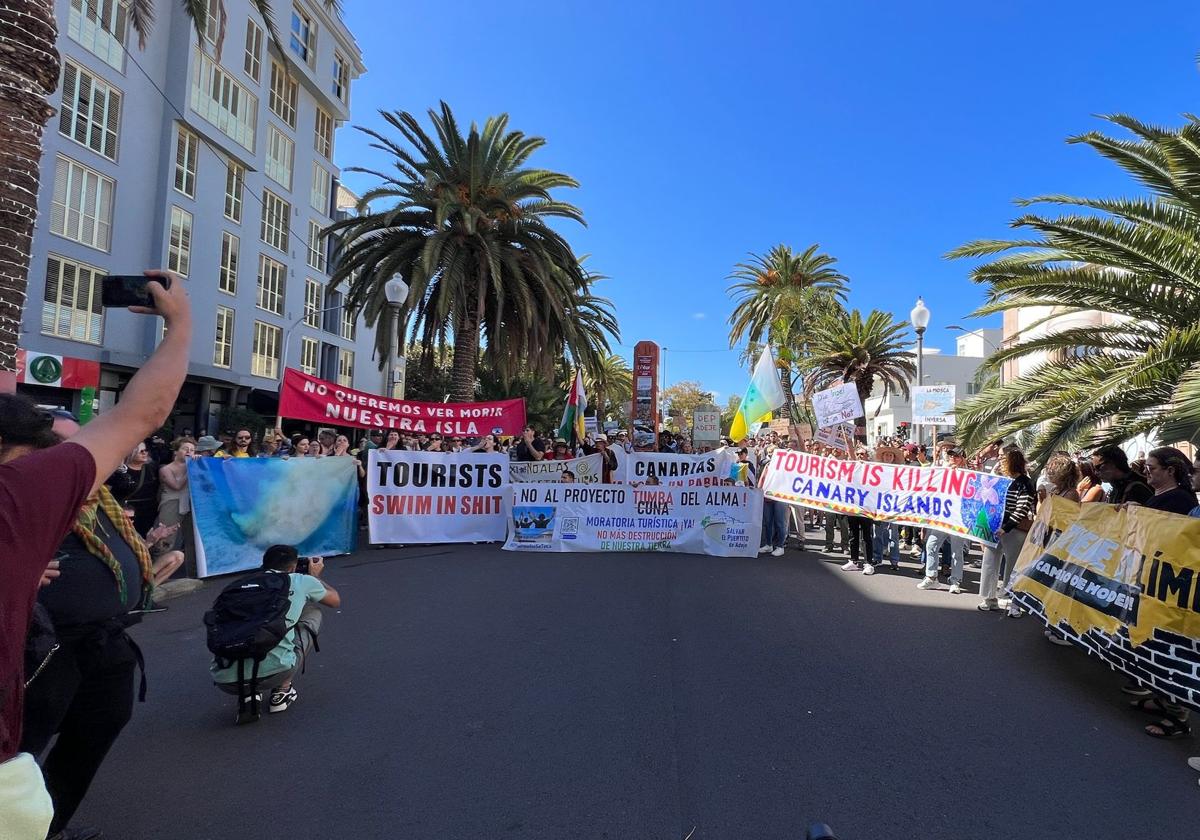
<point>305,397</point>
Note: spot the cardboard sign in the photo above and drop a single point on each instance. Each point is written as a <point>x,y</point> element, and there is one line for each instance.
<point>837,405</point>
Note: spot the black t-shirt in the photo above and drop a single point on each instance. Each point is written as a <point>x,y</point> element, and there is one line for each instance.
<point>525,453</point>
<point>86,590</point>
<point>138,490</point>
<point>1178,500</point>
<point>1131,489</point>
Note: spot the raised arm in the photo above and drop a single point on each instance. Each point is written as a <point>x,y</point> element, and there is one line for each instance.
<point>150,395</point>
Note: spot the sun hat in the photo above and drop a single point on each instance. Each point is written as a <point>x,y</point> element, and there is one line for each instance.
<point>208,443</point>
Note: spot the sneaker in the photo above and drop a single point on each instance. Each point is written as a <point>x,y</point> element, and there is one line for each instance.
<point>868,569</point>
<point>777,552</point>
<point>763,549</point>
<point>928,583</point>
<point>851,566</point>
<point>1055,639</point>
<point>1014,611</point>
<point>829,549</point>
<point>955,589</point>
<point>895,565</point>
<point>282,698</point>
<point>987,605</point>
<point>1194,763</point>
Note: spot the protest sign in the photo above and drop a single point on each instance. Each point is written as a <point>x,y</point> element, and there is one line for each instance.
<point>805,431</point>
<point>587,470</point>
<point>242,506</point>
<point>666,468</point>
<point>780,426</point>
<point>933,405</point>
<point>304,397</point>
<point>436,497</point>
<point>837,405</point>
<point>721,521</point>
<point>839,436</point>
<point>1123,584</point>
<point>961,502</point>
<point>706,425</point>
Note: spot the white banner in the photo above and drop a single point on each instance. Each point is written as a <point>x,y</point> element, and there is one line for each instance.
<point>436,497</point>
<point>837,405</point>
<point>721,521</point>
<point>666,468</point>
<point>933,405</point>
<point>587,470</point>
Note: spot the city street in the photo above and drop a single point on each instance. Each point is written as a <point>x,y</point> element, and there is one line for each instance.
<point>465,692</point>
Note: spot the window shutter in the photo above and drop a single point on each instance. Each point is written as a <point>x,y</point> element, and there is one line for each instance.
<point>69,91</point>
<point>112,124</point>
<point>58,207</point>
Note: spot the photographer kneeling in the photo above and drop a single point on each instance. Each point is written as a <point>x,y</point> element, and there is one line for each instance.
<point>262,627</point>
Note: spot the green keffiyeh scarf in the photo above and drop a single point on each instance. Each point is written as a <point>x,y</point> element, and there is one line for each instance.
<point>88,522</point>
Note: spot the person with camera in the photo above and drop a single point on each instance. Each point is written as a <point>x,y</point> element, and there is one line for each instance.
<point>43,486</point>
<point>280,603</point>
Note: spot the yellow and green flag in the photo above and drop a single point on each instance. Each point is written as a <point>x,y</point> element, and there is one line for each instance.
<point>764,395</point>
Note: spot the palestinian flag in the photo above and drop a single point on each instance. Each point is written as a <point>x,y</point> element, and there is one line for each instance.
<point>571,427</point>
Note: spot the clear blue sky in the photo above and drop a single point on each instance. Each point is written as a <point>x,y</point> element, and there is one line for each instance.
<point>701,131</point>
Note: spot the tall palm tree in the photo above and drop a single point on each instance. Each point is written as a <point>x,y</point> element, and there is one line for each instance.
<point>1136,261</point>
<point>849,348</point>
<point>608,381</point>
<point>29,71</point>
<point>777,298</point>
<point>466,226</point>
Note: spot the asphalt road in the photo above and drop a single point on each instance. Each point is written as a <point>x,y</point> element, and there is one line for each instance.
<point>465,692</point>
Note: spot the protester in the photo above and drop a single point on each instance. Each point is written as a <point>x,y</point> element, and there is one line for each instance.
<point>567,477</point>
<point>487,445</point>
<point>1000,560</point>
<point>1169,473</point>
<point>957,459</point>
<point>269,448</point>
<point>300,449</point>
<point>531,447</point>
<point>175,500</point>
<point>774,524</point>
<point>41,492</point>
<point>1112,466</point>
<point>135,485</point>
<point>278,668</point>
<point>561,451</point>
<point>243,446</point>
<point>393,440</point>
<point>325,441</point>
<point>608,459</point>
<point>207,446</point>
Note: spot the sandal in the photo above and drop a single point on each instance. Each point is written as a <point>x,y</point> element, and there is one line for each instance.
<point>1152,706</point>
<point>1136,690</point>
<point>1169,728</point>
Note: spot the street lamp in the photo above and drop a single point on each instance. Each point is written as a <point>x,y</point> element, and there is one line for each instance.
<point>920,322</point>
<point>982,338</point>
<point>396,292</point>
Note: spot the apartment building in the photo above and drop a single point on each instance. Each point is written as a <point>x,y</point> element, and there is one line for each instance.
<point>213,157</point>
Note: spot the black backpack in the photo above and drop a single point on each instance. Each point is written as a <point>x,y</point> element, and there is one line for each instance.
<point>247,620</point>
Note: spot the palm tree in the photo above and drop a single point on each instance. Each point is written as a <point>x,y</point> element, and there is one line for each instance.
<point>1134,260</point>
<point>778,296</point>
<point>608,381</point>
<point>848,348</point>
<point>466,228</point>
<point>29,71</point>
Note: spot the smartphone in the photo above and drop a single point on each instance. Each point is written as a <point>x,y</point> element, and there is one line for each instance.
<point>128,290</point>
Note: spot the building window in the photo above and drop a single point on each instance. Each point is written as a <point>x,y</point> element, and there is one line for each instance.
<point>264,355</point>
<point>187,150</point>
<point>345,368</point>
<point>212,21</point>
<point>99,26</point>
<point>282,98</point>
<point>179,250</point>
<point>230,249</point>
<point>323,134</point>
<point>252,64</point>
<point>221,100</point>
<point>281,153</point>
<point>322,186</point>
<point>276,213</point>
<point>349,324</point>
<point>316,247</point>
<point>304,36</point>
<point>235,181</point>
<point>223,343</point>
<point>312,303</point>
<point>91,111</point>
<point>341,78</point>
<point>81,209</point>
<point>310,353</point>
<point>71,304</point>
<point>272,278</point>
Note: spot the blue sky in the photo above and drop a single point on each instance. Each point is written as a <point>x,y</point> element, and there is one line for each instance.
<point>701,131</point>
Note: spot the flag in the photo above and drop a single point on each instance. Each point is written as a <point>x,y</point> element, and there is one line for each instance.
<point>764,395</point>
<point>571,428</point>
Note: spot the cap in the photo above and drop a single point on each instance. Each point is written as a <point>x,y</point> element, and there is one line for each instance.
<point>208,443</point>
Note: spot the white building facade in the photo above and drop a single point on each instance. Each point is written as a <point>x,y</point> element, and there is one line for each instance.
<point>212,157</point>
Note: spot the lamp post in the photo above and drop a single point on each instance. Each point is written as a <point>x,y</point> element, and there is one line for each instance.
<point>982,338</point>
<point>396,292</point>
<point>920,322</point>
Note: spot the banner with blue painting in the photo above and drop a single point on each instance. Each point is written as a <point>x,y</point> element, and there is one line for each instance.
<point>242,506</point>
<point>961,502</point>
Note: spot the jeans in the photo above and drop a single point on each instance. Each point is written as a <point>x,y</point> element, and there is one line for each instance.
<point>832,519</point>
<point>85,695</point>
<point>885,532</point>
<point>775,523</point>
<point>1007,552</point>
<point>933,554</point>
<point>860,531</point>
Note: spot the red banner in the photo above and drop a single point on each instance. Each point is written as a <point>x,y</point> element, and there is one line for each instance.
<point>305,397</point>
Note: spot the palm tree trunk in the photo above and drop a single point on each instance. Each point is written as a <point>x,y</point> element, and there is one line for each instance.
<point>466,357</point>
<point>789,399</point>
<point>29,66</point>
